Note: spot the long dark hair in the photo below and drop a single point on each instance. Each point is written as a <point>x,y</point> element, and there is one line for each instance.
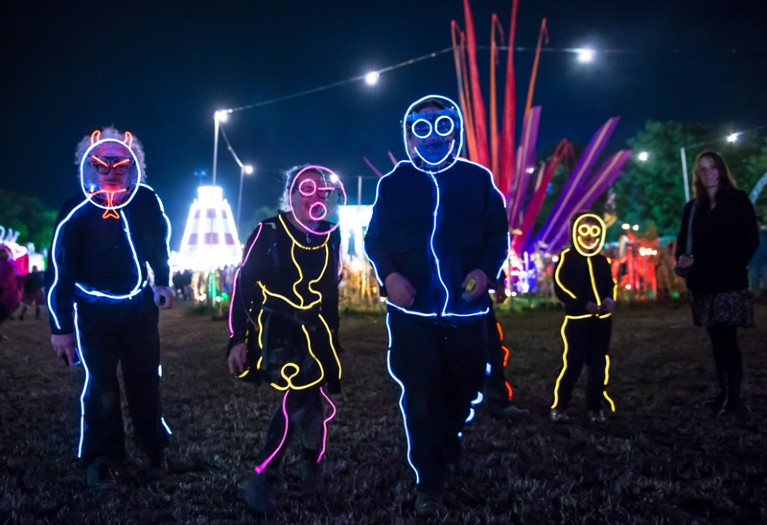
<point>726,182</point>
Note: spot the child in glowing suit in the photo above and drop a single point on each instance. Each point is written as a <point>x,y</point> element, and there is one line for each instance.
<point>437,236</point>
<point>103,310</point>
<point>283,321</point>
<point>583,281</point>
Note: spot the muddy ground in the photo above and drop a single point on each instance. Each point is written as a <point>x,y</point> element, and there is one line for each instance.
<point>661,460</point>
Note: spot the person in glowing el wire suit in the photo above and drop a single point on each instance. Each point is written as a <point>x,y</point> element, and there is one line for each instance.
<point>102,308</point>
<point>284,320</point>
<point>437,236</point>
<point>583,281</point>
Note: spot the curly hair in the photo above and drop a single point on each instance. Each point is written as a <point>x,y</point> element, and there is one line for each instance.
<point>110,132</point>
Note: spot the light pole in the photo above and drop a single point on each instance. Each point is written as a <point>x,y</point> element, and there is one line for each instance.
<point>245,169</point>
<point>222,115</point>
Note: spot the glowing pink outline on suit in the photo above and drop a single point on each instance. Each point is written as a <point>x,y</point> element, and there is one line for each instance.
<point>237,276</point>
<point>321,170</point>
<point>325,424</point>
<point>260,468</point>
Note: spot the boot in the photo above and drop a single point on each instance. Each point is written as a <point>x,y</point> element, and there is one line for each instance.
<point>311,478</point>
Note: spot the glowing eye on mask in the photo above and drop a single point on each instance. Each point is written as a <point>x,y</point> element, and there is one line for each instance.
<point>307,187</point>
<point>421,128</point>
<point>583,230</point>
<point>444,126</point>
<point>594,230</point>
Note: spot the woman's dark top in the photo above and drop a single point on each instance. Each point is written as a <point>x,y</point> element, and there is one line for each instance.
<point>723,241</point>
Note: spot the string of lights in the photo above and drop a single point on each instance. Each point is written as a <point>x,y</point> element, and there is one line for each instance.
<point>371,77</point>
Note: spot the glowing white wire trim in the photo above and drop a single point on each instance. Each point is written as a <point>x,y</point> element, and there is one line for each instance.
<point>401,400</point>
<point>138,287</point>
<point>444,313</point>
<point>85,386</point>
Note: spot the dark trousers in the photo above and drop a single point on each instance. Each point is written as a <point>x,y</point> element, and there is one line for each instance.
<point>439,369</point>
<point>304,417</point>
<point>727,360</point>
<point>586,341</point>
<point>124,333</point>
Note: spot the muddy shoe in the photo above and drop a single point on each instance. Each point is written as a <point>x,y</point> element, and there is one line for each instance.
<point>733,409</point>
<point>311,478</point>
<point>597,418</point>
<point>508,412</point>
<point>156,467</point>
<point>100,474</point>
<point>715,404</point>
<point>558,416</point>
<point>258,496</point>
<point>429,505</point>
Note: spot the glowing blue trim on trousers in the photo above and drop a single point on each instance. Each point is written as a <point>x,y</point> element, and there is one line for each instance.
<point>85,385</point>
<point>401,404</point>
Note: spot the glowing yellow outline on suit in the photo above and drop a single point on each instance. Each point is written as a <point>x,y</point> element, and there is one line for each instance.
<point>284,371</point>
<point>588,255</point>
<point>564,364</point>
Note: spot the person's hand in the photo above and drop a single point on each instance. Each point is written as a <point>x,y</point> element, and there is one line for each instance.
<point>401,292</point>
<point>64,346</point>
<point>163,297</point>
<point>237,357</point>
<point>608,305</point>
<point>592,308</point>
<point>474,285</point>
<point>685,261</point>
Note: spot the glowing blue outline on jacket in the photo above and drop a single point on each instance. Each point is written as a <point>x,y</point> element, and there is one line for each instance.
<point>85,386</point>
<point>476,401</point>
<point>435,213</point>
<point>139,284</point>
<point>401,400</point>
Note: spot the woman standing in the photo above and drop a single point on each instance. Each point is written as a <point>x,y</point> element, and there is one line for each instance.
<point>721,225</point>
<point>283,323</point>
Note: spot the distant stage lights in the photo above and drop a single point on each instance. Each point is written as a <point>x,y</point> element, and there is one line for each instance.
<point>643,156</point>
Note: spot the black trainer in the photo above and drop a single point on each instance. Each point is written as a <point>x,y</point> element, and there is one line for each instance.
<point>156,467</point>
<point>429,505</point>
<point>257,495</point>
<point>311,478</point>
<point>100,474</point>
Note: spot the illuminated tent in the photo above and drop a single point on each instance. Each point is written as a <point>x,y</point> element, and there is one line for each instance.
<point>210,237</point>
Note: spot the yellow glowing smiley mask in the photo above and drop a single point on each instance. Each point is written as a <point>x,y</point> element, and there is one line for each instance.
<point>588,234</point>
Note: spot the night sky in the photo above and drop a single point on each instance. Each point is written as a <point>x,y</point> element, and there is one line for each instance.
<point>161,69</point>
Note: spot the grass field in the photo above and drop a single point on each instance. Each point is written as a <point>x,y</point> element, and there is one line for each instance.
<point>661,460</point>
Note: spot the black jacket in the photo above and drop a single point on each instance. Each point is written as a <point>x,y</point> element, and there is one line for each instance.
<point>723,241</point>
<point>434,230</point>
<point>92,256</point>
<point>573,283</point>
<point>288,272</point>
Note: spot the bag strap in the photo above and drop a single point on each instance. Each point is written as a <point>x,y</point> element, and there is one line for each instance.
<point>689,230</point>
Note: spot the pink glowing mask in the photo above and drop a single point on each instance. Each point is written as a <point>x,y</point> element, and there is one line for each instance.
<point>316,196</point>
